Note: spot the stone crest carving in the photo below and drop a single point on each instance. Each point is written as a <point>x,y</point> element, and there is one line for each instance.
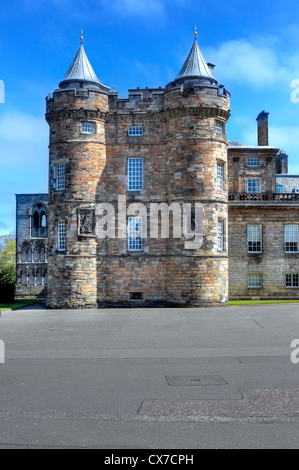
<point>87,222</point>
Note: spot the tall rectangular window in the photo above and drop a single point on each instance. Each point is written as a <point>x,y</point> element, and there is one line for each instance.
<point>251,161</point>
<point>135,130</point>
<point>291,238</point>
<point>253,185</point>
<point>60,177</point>
<point>292,280</point>
<point>135,174</point>
<point>135,234</point>
<point>254,238</point>
<point>220,235</point>
<point>255,281</point>
<point>87,128</point>
<point>220,173</point>
<point>61,235</point>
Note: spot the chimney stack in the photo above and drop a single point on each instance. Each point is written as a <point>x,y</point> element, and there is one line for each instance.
<point>262,129</point>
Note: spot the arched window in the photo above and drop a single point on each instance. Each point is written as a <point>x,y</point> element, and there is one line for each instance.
<point>26,252</point>
<point>39,221</point>
<point>39,252</point>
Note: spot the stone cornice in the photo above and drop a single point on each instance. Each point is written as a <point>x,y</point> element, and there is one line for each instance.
<point>200,112</point>
<point>76,114</point>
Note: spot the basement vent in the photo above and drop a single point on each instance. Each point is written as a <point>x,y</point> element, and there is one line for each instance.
<point>136,295</point>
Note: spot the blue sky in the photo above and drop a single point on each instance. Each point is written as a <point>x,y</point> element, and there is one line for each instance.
<point>130,43</point>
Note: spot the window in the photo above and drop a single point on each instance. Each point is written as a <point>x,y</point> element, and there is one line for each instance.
<point>135,174</point>
<point>135,234</point>
<point>253,185</point>
<point>39,221</point>
<point>291,238</point>
<point>61,235</point>
<point>135,97</point>
<point>219,128</point>
<point>254,238</point>
<point>292,280</point>
<point>220,171</point>
<point>87,128</point>
<point>253,161</point>
<point>255,281</point>
<point>220,235</point>
<point>279,188</point>
<point>60,177</point>
<point>135,130</point>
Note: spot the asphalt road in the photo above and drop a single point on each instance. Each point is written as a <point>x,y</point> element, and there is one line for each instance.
<point>150,378</point>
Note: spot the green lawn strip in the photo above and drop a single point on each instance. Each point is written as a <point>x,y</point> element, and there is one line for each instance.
<point>18,304</point>
<point>258,302</point>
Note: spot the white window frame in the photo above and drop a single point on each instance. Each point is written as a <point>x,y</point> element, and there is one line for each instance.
<point>220,175</point>
<point>135,174</point>
<point>87,128</point>
<point>253,162</point>
<point>220,235</point>
<point>254,236</point>
<point>294,281</point>
<point>61,239</point>
<point>135,131</point>
<point>60,176</point>
<point>291,237</point>
<point>255,182</point>
<point>135,234</point>
<point>219,128</point>
<point>255,281</point>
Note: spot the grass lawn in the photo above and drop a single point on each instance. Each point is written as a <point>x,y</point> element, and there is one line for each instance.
<point>18,304</point>
<point>25,302</point>
<point>258,302</point>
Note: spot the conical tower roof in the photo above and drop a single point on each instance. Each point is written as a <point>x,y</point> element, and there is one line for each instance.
<point>195,65</point>
<point>81,70</point>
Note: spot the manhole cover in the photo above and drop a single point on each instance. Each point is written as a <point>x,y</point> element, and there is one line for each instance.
<point>185,380</point>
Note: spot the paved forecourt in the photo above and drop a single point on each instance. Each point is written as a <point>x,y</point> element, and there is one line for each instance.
<point>146,378</point>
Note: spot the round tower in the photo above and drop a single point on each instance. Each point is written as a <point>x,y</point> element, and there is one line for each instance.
<point>197,110</point>
<point>77,157</point>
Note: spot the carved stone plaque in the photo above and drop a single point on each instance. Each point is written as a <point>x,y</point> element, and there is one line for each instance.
<point>87,222</point>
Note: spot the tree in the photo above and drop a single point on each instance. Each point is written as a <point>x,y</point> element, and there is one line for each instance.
<point>7,259</point>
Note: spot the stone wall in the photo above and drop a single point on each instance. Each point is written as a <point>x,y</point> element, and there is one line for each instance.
<point>31,248</point>
<point>272,263</point>
<point>239,171</point>
<point>180,150</point>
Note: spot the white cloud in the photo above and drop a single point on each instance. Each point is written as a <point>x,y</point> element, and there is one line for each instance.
<point>252,63</point>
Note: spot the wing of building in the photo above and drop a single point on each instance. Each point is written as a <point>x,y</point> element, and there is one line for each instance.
<point>120,167</point>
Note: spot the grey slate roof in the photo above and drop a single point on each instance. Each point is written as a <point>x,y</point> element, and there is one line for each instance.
<point>195,65</point>
<point>81,71</point>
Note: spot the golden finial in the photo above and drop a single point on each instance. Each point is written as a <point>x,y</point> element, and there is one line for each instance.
<point>81,38</point>
<point>195,32</point>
